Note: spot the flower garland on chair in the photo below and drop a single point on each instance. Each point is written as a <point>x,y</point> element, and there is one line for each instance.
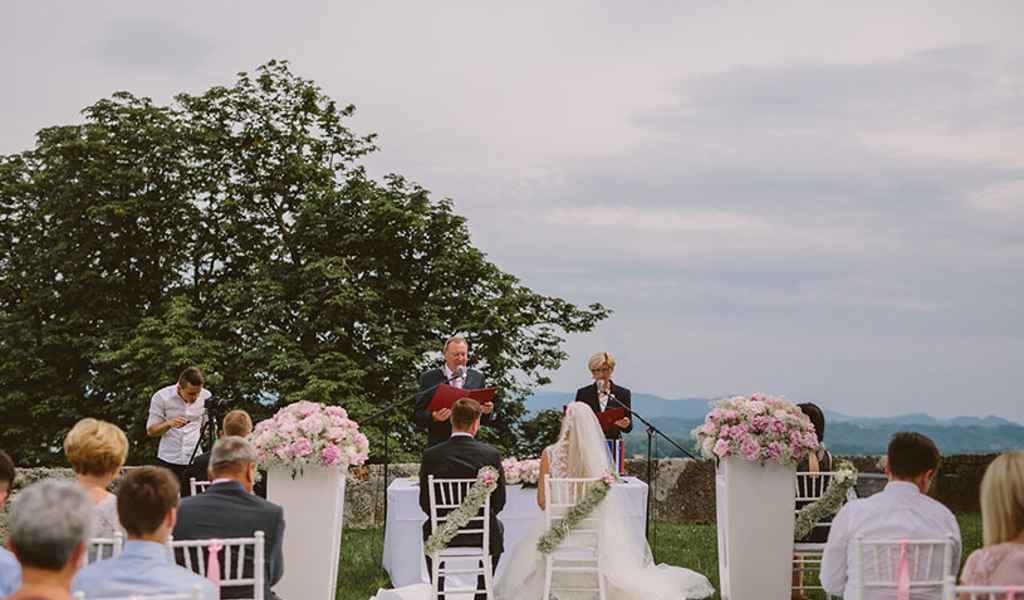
<point>554,536</point>
<point>829,503</point>
<point>472,502</point>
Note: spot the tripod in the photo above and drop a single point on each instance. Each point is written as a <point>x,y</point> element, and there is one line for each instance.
<point>210,421</point>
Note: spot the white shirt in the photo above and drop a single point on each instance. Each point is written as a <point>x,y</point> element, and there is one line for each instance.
<point>458,381</point>
<point>900,511</point>
<point>602,395</point>
<point>177,443</point>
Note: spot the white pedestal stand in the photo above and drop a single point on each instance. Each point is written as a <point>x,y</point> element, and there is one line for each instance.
<point>755,516</point>
<point>314,505</point>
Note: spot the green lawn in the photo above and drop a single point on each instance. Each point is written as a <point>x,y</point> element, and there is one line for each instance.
<point>692,546</point>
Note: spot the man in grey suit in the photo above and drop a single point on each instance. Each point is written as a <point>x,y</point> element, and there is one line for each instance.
<point>229,509</point>
<point>454,373</point>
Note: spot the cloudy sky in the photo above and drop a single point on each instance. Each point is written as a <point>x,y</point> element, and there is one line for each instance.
<point>817,200</point>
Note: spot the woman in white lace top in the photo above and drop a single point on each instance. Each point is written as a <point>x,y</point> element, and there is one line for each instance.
<point>1001,561</point>
<point>97,451</point>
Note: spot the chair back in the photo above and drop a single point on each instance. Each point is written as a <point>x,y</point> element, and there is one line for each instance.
<point>195,594</point>
<point>197,486</point>
<point>233,557</point>
<point>446,495</point>
<point>560,496</point>
<point>877,564</point>
<point>102,548</point>
<point>952,591</point>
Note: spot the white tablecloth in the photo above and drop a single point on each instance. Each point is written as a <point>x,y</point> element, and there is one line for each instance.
<point>403,535</point>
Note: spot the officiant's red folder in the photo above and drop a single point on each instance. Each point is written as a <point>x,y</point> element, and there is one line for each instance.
<point>608,417</point>
<point>446,395</point>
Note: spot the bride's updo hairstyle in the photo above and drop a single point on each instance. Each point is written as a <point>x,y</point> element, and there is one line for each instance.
<point>465,412</point>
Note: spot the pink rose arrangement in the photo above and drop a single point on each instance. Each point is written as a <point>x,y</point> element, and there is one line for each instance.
<point>524,472</point>
<point>756,428</point>
<point>309,433</point>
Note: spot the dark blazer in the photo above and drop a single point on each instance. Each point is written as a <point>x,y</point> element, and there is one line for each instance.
<point>200,470</point>
<point>227,510</point>
<point>439,432</point>
<point>460,458</point>
<point>588,395</point>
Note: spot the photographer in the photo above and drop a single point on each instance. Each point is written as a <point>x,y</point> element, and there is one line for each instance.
<point>176,416</point>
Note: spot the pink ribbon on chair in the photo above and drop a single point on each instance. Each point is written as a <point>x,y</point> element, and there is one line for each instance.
<point>903,574</point>
<point>1012,594</point>
<point>213,562</point>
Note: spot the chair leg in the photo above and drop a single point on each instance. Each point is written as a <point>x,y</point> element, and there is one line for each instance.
<point>547,578</point>
<point>433,578</point>
<point>602,593</point>
<point>488,583</point>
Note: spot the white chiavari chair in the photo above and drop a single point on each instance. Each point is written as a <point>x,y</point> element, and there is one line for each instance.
<point>810,486</point>
<point>877,564</point>
<point>952,591</point>
<point>102,548</point>
<point>197,486</point>
<point>234,556</point>
<point>578,557</point>
<point>445,496</point>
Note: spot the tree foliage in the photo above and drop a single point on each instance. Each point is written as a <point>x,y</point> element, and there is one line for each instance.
<point>237,230</point>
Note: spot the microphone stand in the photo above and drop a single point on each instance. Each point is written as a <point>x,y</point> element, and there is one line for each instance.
<point>651,430</point>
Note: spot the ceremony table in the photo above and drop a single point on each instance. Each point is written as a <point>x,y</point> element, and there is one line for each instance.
<point>403,535</point>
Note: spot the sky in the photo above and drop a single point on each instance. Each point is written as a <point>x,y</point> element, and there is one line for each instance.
<point>818,200</point>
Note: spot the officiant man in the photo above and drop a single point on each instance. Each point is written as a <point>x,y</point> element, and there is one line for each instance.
<point>599,395</point>
<point>456,374</point>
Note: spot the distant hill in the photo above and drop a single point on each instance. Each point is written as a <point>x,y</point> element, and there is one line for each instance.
<point>844,434</point>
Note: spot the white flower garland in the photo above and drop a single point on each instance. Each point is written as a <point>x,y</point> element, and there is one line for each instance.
<point>553,537</point>
<point>472,502</point>
<point>844,478</point>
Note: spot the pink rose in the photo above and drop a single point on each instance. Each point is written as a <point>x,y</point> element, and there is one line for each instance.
<point>311,425</point>
<point>775,450</point>
<point>721,449</point>
<point>336,434</point>
<point>761,423</point>
<point>336,411</point>
<point>330,455</point>
<point>750,448</point>
<point>306,408</point>
<point>362,442</point>
<point>301,447</point>
<point>282,452</point>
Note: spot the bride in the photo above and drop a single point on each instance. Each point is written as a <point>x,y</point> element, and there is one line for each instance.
<point>630,572</point>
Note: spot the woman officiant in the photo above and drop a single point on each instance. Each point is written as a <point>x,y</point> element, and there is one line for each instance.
<point>603,395</point>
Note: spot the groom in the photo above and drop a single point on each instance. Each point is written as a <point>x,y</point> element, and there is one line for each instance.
<point>460,457</point>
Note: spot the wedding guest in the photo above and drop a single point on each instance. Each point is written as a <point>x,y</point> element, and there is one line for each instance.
<point>462,457</point>
<point>147,504</point>
<point>229,509</point>
<point>1001,560</point>
<point>902,510</point>
<point>237,423</point>
<point>97,451</point>
<point>816,462</point>
<point>599,395</point>
<point>48,529</point>
<point>10,570</point>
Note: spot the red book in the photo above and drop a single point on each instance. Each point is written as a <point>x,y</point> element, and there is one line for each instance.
<point>609,417</point>
<point>446,395</point>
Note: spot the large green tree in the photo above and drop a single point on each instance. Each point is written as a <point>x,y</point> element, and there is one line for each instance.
<point>237,230</point>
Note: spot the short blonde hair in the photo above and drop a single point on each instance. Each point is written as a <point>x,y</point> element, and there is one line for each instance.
<point>237,423</point>
<point>601,359</point>
<point>1002,498</point>
<point>95,447</point>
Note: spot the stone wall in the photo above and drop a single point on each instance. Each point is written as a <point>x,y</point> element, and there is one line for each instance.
<point>683,489</point>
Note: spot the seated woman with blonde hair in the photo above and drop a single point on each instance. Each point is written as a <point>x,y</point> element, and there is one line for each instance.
<point>97,451</point>
<point>1001,560</point>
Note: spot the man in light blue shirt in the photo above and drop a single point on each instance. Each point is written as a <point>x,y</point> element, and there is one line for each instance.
<point>10,568</point>
<point>147,506</point>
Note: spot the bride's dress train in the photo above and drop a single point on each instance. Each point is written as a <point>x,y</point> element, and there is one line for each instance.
<point>630,572</point>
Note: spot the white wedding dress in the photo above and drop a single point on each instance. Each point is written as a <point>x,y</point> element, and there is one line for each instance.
<point>630,572</point>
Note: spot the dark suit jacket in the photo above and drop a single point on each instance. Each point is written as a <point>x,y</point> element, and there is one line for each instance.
<point>460,458</point>
<point>226,510</point>
<point>588,395</point>
<point>200,470</point>
<point>439,432</point>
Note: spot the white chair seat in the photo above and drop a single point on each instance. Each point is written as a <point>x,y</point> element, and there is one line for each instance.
<point>462,552</point>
